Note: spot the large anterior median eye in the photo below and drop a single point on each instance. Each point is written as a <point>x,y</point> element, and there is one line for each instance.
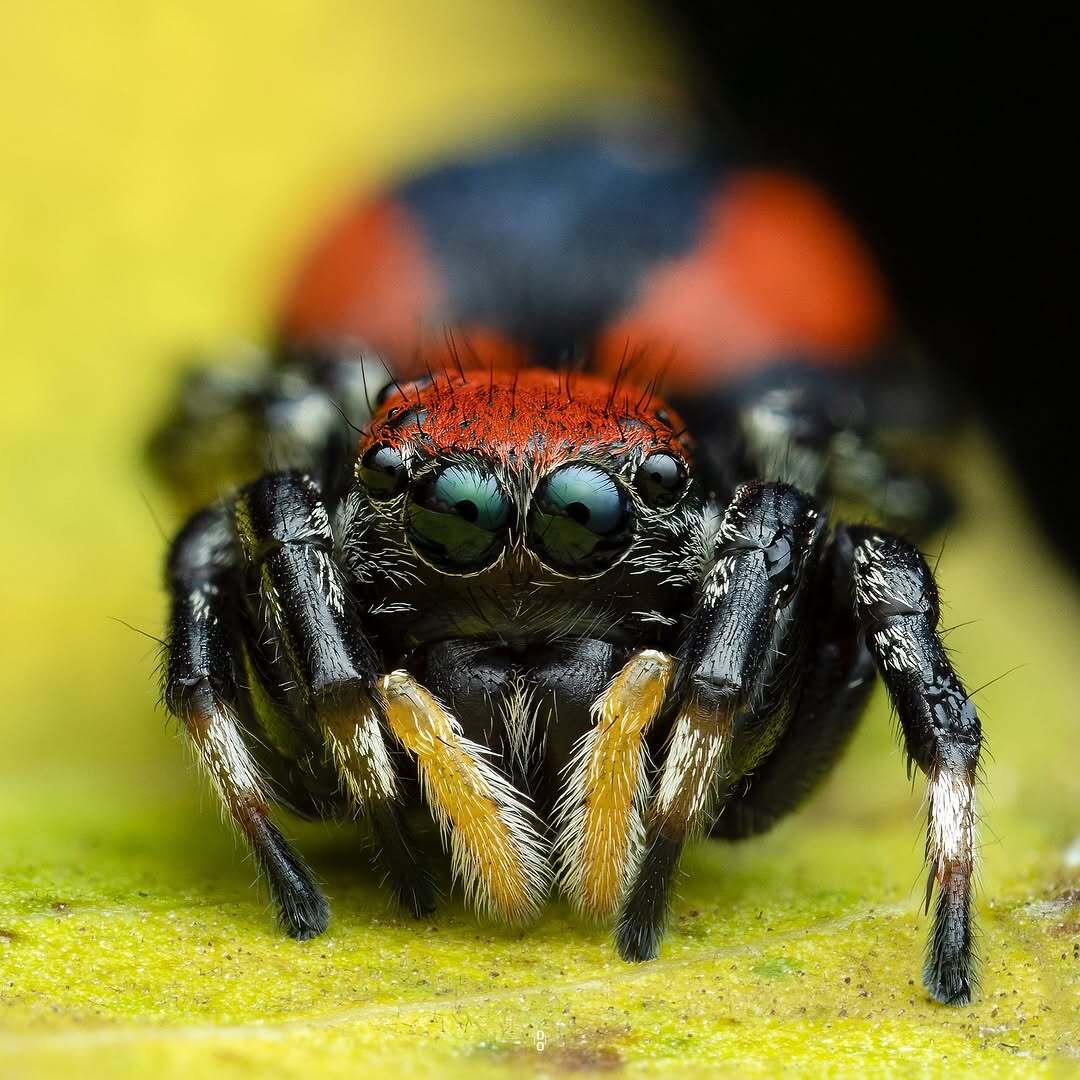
<point>458,517</point>
<point>580,521</point>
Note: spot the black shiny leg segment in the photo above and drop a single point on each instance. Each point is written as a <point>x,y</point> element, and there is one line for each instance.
<point>838,676</point>
<point>285,535</point>
<point>738,672</point>
<point>896,603</point>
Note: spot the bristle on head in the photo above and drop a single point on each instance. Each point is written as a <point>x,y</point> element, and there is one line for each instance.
<point>509,411</point>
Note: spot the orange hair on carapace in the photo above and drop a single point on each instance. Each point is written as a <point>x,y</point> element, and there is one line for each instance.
<point>510,412</point>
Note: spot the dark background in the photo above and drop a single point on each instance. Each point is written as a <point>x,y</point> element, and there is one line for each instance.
<point>946,139</point>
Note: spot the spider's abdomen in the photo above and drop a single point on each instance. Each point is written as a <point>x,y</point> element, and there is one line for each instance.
<point>612,244</point>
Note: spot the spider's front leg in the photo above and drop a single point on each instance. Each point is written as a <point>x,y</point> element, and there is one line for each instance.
<point>285,535</point>
<point>201,689</point>
<point>495,849</point>
<point>896,603</point>
<point>277,544</point>
<point>738,673</point>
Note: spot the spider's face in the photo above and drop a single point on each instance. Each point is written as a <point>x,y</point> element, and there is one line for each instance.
<point>532,484</point>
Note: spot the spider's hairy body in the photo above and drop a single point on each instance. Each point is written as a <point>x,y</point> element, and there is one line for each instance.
<point>574,619</point>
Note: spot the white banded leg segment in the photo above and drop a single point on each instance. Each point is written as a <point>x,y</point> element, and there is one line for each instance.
<point>599,813</point>
<point>495,849</point>
<point>302,909</point>
<point>354,737</point>
<point>699,740</point>
<point>950,852</point>
<point>214,731</point>
<point>695,755</point>
<point>951,824</point>
<point>353,732</point>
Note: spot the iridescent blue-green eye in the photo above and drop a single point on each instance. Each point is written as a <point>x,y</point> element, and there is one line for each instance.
<point>459,516</point>
<point>580,521</point>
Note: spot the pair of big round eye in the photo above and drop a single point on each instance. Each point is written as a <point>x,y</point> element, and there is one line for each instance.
<point>581,520</point>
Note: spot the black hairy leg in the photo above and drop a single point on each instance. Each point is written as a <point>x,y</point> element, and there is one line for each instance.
<point>821,433</point>
<point>304,601</point>
<point>738,672</point>
<point>838,677</point>
<point>896,603</point>
<point>238,415</point>
<point>201,690</point>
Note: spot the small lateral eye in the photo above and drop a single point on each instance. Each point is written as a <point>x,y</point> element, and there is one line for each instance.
<point>580,521</point>
<point>661,480</point>
<point>459,517</point>
<point>382,471</point>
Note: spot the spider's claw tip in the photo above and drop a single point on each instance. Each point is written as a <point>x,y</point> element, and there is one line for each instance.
<point>305,917</point>
<point>949,983</point>
<point>637,942</point>
<point>645,911</point>
<point>303,911</point>
<point>948,991</point>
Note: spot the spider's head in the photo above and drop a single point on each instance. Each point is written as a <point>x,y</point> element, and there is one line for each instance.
<point>545,474</point>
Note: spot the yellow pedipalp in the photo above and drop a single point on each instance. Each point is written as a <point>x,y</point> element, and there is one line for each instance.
<point>600,809</point>
<point>495,850</point>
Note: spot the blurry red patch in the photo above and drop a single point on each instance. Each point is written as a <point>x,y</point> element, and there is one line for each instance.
<point>777,272</point>
<point>370,279</point>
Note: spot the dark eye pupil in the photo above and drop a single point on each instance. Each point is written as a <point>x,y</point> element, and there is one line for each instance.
<point>459,516</point>
<point>578,512</point>
<point>661,480</point>
<point>580,521</point>
<point>382,471</point>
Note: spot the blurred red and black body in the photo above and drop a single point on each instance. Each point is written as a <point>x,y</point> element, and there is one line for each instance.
<point>535,253</point>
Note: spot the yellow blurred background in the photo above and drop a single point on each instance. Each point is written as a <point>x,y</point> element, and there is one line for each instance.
<point>159,164</point>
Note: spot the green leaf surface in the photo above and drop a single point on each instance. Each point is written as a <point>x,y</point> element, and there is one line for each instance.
<point>162,160</point>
